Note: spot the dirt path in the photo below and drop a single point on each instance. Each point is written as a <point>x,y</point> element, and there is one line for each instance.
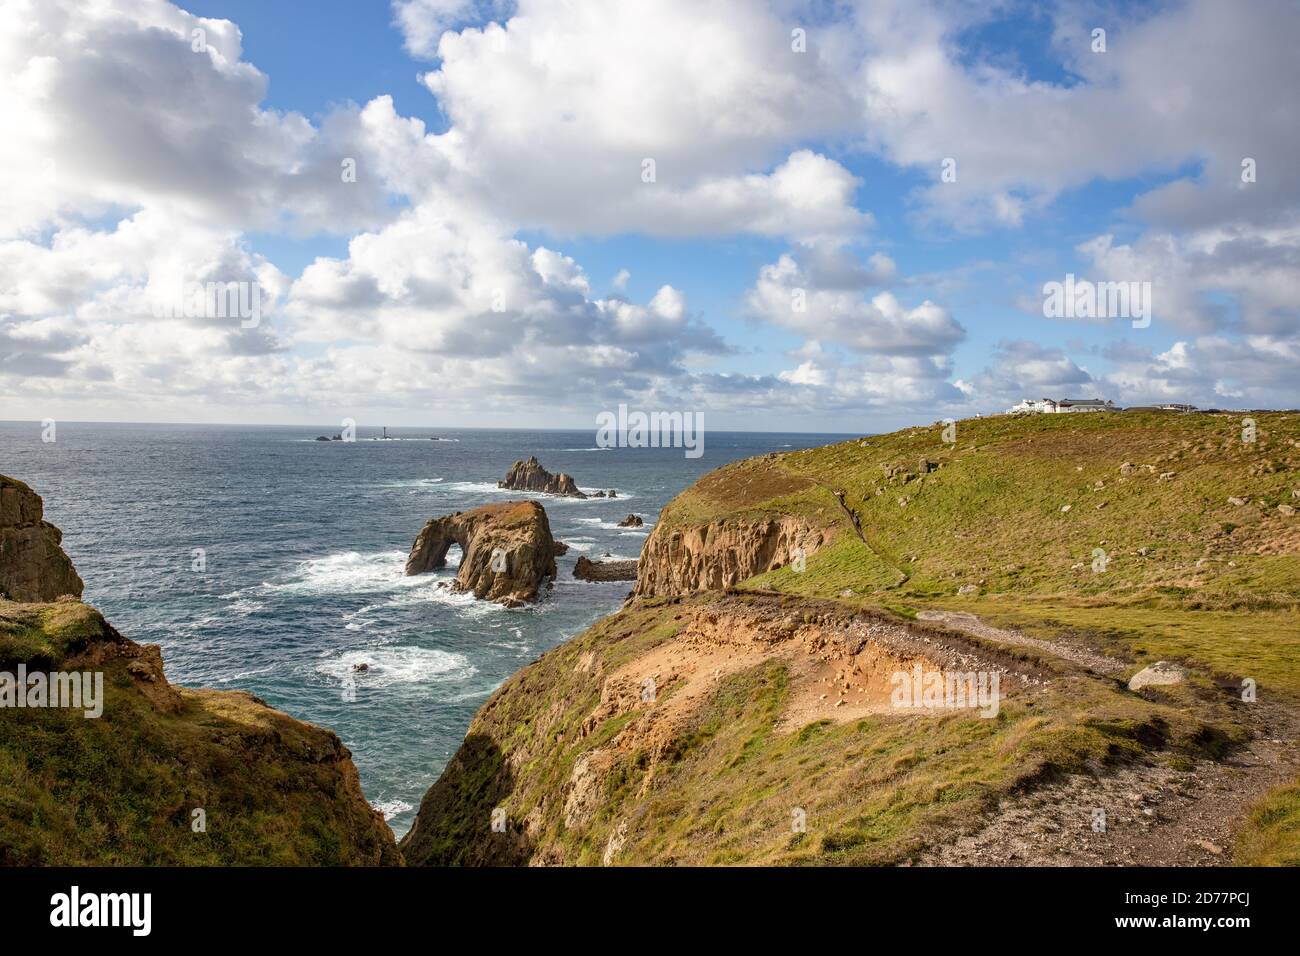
<point>1089,660</point>
<point>1154,816</point>
<point>855,520</point>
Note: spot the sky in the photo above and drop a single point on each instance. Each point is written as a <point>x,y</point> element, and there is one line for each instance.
<point>821,216</point>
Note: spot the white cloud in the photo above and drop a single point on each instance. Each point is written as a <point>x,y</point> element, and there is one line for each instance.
<point>788,295</point>
<point>111,107</point>
<point>1139,106</point>
<point>555,112</point>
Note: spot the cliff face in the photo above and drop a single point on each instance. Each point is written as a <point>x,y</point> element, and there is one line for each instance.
<point>721,554</point>
<point>161,775</point>
<point>33,566</point>
<point>508,550</point>
<point>531,476</point>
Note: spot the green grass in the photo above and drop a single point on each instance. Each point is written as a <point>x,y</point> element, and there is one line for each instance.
<point>119,790</point>
<point>1271,836</point>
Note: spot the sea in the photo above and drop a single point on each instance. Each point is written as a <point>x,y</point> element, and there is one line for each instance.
<point>264,560</point>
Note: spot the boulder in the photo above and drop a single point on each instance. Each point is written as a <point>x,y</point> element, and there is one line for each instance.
<point>531,476</point>
<point>1159,674</point>
<point>631,521</point>
<point>33,565</point>
<point>508,550</point>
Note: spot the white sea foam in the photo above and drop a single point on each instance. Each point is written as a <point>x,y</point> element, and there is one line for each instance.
<point>242,675</point>
<point>381,574</point>
<point>622,495</point>
<point>481,488</point>
<point>490,488</point>
<point>391,808</point>
<point>411,483</point>
<point>351,572</point>
<point>396,665</point>
<point>610,525</point>
<point>244,607</point>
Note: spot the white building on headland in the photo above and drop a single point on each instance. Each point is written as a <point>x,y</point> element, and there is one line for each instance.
<point>1029,405</point>
<point>1047,406</point>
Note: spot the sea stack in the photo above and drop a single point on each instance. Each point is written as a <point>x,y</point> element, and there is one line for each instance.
<point>531,476</point>
<point>508,550</point>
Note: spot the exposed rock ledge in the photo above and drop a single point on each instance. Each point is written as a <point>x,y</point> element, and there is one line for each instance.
<point>722,554</point>
<point>588,570</point>
<point>508,550</point>
<point>33,566</point>
<point>531,476</point>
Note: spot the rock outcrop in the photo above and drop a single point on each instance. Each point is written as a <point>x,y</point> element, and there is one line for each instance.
<point>508,550</point>
<point>138,771</point>
<point>632,521</point>
<point>587,570</point>
<point>531,476</point>
<point>33,566</point>
<point>721,554</point>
